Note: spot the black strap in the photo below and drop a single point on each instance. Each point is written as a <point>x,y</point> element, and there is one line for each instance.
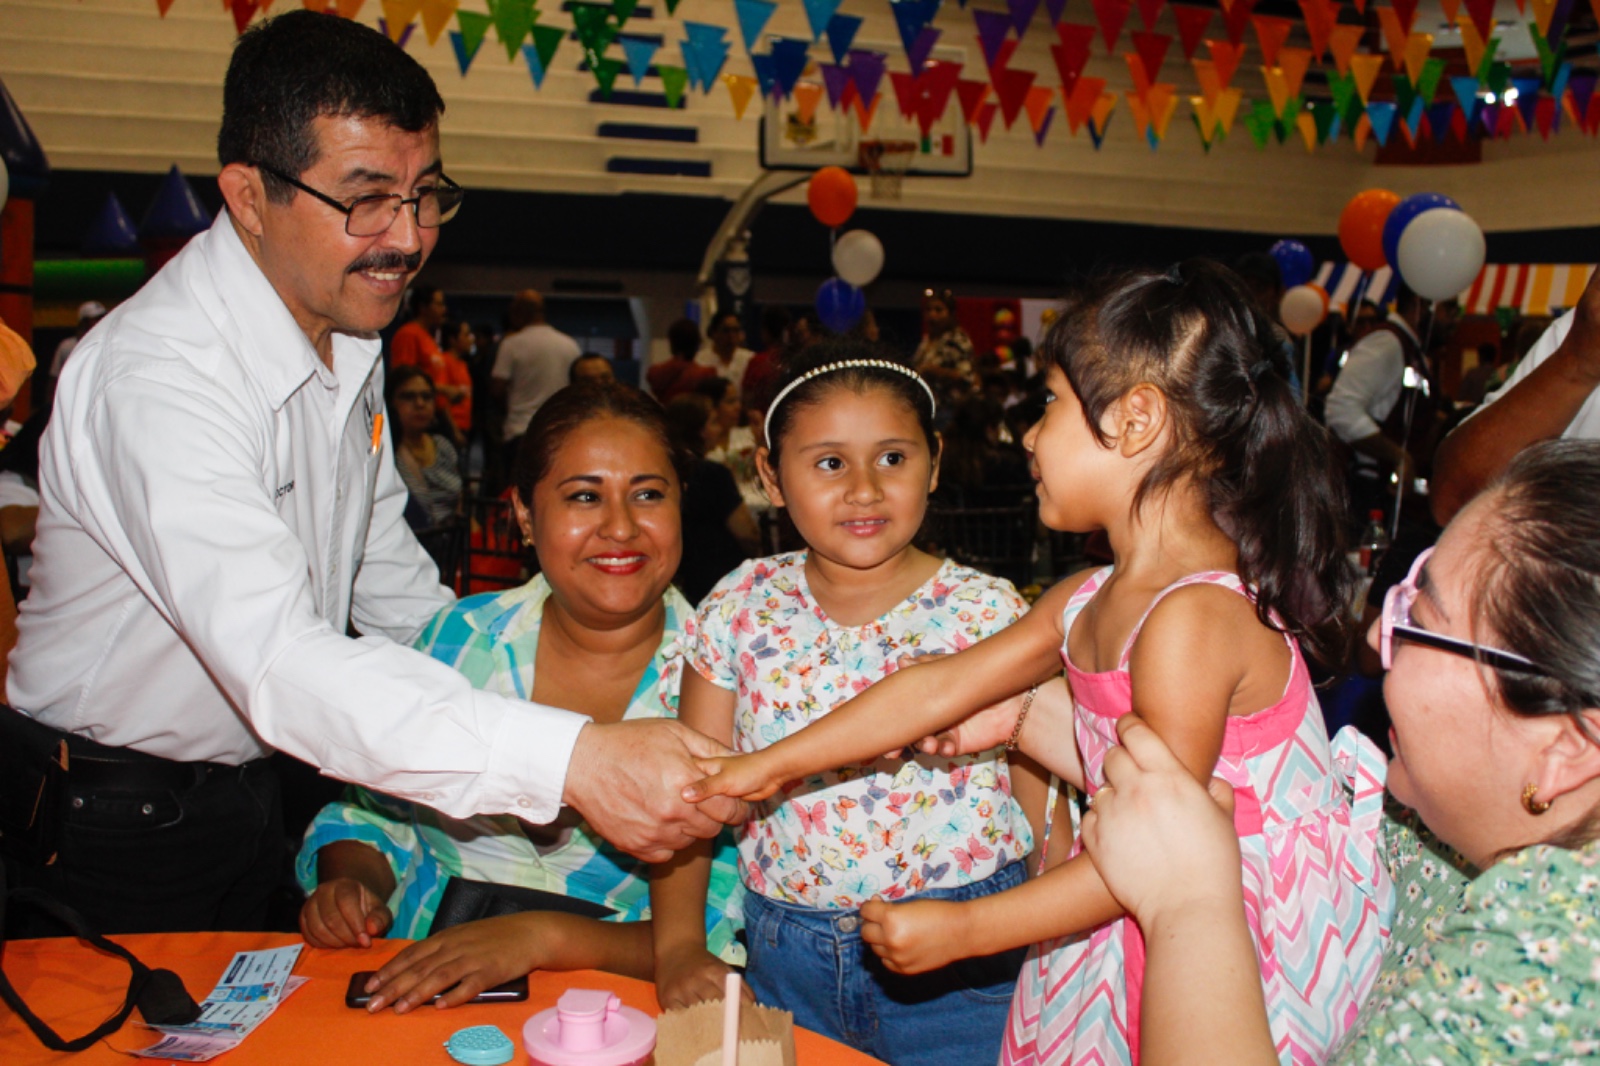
<point>159,994</point>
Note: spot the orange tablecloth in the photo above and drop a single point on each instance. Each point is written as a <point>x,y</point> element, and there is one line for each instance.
<point>74,987</point>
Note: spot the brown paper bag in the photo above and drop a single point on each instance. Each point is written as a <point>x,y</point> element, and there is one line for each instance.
<point>692,1036</point>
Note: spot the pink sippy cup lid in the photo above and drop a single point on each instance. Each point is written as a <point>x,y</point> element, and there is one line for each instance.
<point>589,1028</point>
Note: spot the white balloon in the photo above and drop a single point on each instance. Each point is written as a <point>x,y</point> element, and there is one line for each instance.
<point>5,182</point>
<point>858,257</point>
<point>1441,252</point>
<point>1301,310</point>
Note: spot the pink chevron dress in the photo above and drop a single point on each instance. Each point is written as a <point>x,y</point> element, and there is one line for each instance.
<point>1317,898</point>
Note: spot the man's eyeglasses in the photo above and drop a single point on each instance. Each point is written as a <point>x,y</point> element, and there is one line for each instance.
<point>368,216</point>
<point>1395,624</point>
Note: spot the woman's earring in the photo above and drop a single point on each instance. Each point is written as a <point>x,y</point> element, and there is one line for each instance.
<point>1529,803</point>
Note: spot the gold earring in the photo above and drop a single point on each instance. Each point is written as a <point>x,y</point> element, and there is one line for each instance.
<point>1531,805</point>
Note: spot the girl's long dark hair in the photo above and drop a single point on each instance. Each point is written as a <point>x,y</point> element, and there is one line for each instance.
<point>1239,431</point>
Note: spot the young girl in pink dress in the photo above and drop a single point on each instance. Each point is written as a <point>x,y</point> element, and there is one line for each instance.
<point>1172,427</point>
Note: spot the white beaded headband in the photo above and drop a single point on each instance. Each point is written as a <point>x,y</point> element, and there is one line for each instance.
<point>850,364</point>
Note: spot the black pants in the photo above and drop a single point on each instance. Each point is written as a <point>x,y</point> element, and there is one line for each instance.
<point>146,844</point>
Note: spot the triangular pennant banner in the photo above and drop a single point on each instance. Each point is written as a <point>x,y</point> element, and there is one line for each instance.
<point>436,15</point>
<point>1205,73</point>
<point>986,115</point>
<point>1137,74</point>
<point>1394,40</point>
<point>789,61</point>
<point>866,70</point>
<point>1277,89</point>
<point>1418,45</point>
<point>972,95</point>
<point>1294,62</point>
<point>605,74</point>
<point>1080,105</point>
<point>1471,44</point>
<point>1055,8</point>
<point>1149,11</point>
<point>1320,16</point>
<point>1022,15</point>
<point>1466,95</point>
<point>1072,53</point>
<point>740,90</point>
<point>835,79</point>
<point>1228,101</point>
<point>1192,25</point>
<point>1365,70</point>
<point>1111,15</point>
<point>1342,41</point>
<point>905,92</point>
<point>1271,32</point>
<point>1152,49</point>
<point>1306,123</point>
<point>912,17</point>
<point>1037,105</point>
<point>992,29</point>
<point>639,51</point>
<point>841,34</point>
<point>922,48</point>
<point>1381,114</point>
<point>807,95</point>
<point>1226,56</point>
<point>1482,15</point>
<point>1011,86</point>
<point>1237,18</point>
<point>536,67</point>
<point>1406,11</point>
<point>673,82</point>
<point>753,16</point>
<point>473,28</point>
<point>546,39</point>
<point>819,13</point>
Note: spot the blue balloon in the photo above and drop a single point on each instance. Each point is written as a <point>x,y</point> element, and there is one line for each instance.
<point>1401,217</point>
<point>840,304</point>
<point>1295,265</point>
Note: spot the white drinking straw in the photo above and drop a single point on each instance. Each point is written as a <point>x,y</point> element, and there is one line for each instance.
<point>730,1020</point>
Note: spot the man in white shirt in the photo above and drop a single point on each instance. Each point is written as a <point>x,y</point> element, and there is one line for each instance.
<point>1554,392</point>
<point>219,505</point>
<point>726,353</point>
<point>1364,409</point>
<point>531,366</point>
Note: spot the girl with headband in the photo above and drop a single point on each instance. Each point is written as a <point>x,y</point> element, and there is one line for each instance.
<point>1172,426</point>
<point>852,455</point>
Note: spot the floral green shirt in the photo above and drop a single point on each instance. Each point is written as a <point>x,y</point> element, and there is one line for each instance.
<point>1496,966</point>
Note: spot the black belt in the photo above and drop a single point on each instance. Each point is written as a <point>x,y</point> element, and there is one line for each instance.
<point>92,765</point>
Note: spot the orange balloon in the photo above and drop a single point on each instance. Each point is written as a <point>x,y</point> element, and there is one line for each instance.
<point>832,196</point>
<point>1361,227</point>
<point>1323,293</point>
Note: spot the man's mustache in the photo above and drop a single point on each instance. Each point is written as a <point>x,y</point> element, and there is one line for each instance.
<point>387,261</point>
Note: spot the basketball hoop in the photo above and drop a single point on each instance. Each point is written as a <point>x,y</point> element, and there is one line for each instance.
<point>887,162</point>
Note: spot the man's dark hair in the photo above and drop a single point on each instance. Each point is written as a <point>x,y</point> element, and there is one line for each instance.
<point>290,70</point>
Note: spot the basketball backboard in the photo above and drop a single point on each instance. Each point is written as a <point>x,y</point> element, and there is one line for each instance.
<point>835,137</point>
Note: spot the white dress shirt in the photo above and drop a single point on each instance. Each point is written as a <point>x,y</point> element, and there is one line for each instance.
<point>217,506</point>
<point>733,369</point>
<point>1585,425</point>
<point>534,362</point>
<point>1369,385</point>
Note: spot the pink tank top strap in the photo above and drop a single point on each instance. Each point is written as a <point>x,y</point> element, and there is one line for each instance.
<point>1205,577</point>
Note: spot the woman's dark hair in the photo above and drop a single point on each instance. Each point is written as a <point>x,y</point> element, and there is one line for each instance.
<point>1538,589</point>
<point>687,417</point>
<point>970,442</point>
<point>1238,429</point>
<point>450,331</point>
<point>290,70</point>
<point>714,388</point>
<point>577,405</point>
<point>683,338</point>
<point>904,387</point>
<point>398,377</point>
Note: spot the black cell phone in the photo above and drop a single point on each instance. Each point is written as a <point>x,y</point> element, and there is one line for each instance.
<point>513,991</point>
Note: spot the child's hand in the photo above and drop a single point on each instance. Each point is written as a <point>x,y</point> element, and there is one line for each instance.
<point>915,936</point>
<point>343,913</point>
<point>748,777</point>
<point>691,976</point>
<point>470,957</point>
<point>1160,842</point>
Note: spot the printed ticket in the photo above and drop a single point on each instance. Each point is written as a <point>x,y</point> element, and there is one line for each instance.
<point>251,988</point>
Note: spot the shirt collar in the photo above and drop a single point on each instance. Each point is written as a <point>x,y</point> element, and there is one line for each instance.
<point>517,613</point>
<point>276,353</point>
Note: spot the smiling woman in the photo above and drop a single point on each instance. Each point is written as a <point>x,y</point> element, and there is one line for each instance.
<point>599,630</point>
<point>1494,689</point>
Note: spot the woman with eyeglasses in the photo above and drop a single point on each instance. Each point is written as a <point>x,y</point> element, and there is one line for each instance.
<point>1492,647</point>
<point>428,462</point>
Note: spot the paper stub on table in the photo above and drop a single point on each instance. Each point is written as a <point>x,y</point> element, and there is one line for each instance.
<point>254,984</point>
<point>692,1036</point>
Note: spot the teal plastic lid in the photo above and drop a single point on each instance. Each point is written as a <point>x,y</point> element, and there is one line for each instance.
<point>480,1045</point>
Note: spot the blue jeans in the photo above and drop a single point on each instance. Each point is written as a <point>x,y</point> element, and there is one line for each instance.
<point>812,963</point>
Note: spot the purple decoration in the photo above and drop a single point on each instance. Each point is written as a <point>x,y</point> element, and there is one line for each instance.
<point>1022,14</point>
<point>765,71</point>
<point>1558,22</point>
<point>1054,9</point>
<point>866,70</point>
<point>839,304</point>
<point>112,233</point>
<point>1581,85</point>
<point>834,79</point>
<point>992,29</point>
<point>1439,119</point>
<point>911,16</point>
<point>176,210</point>
<point>405,34</point>
<point>1527,97</point>
<point>921,49</point>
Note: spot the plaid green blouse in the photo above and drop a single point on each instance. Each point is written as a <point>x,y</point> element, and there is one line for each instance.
<point>491,639</point>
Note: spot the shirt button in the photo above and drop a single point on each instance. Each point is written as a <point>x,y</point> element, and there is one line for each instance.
<point>849,924</point>
<point>524,802</point>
